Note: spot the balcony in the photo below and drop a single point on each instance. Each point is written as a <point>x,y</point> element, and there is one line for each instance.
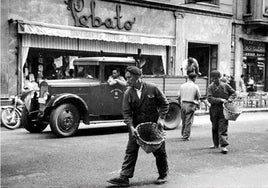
<point>256,14</point>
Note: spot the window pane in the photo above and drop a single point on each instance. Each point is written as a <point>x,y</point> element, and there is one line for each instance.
<point>265,6</point>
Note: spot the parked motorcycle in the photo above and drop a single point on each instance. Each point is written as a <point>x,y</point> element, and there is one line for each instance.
<point>11,114</point>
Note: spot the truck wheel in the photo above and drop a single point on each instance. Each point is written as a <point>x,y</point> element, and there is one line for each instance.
<point>29,125</point>
<point>173,117</point>
<point>64,120</point>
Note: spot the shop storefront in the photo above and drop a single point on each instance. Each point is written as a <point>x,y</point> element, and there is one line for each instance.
<point>47,50</point>
<point>159,38</point>
<point>254,58</point>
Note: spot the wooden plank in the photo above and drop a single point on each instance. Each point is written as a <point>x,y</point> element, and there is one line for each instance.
<point>172,84</point>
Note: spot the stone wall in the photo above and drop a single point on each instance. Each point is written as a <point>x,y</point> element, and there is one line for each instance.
<point>208,30</point>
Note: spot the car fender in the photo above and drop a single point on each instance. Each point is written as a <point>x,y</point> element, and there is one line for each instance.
<point>69,98</point>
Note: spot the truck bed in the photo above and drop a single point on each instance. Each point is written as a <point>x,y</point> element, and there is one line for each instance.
<point>170,85</point>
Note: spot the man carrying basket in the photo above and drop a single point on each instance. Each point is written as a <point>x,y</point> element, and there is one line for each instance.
<point>143,102</point>
<point>219,93</point>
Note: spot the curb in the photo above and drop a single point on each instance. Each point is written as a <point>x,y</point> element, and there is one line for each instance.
<point>245,110</point>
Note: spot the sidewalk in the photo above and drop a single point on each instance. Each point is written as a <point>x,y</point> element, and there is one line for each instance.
<point>245,110</point>
<point>202,117</point>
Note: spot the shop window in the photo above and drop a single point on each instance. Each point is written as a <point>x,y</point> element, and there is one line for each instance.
<point>255,68</point>
<point>86,71</point>
<point>152,65</point>
<point>57,64</point>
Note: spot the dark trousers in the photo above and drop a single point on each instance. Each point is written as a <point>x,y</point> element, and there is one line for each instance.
<point>219,126</point>
<point>187,116</point>
<point>131,156</point>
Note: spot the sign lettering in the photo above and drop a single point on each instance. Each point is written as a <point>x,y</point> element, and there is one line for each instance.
<point>77,6</point>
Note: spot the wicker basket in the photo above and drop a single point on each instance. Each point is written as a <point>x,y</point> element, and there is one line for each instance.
<point>149,136</point>
<point>231,111</point>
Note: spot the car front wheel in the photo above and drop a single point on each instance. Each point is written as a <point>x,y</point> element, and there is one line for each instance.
<point>64,120</point>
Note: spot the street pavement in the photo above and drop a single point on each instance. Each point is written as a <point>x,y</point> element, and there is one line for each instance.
<point>96,154</point>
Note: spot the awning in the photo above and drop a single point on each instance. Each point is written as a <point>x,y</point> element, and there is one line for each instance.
<point>93,34</point>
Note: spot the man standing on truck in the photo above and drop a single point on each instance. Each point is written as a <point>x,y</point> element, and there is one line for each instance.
<point>219,93</point>
<point>189,95</point>
<point>143,102</point>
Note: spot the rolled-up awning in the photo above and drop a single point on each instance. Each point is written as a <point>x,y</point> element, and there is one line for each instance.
<point>93,34</point>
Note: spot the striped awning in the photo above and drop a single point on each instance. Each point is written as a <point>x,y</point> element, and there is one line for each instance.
<point>93,34</point>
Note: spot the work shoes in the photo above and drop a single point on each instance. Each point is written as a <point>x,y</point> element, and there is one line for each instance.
<point>185,139</point>
<point>119,181</point>
<point>161,180</point>
<point>224,150</point>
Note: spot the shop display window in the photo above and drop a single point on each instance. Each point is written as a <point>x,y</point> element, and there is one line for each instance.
<point>57,64</point>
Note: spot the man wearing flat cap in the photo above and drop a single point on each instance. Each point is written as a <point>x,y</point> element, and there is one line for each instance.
<point>143,102</point>
<point>188,95</point>
<point>218,93</point>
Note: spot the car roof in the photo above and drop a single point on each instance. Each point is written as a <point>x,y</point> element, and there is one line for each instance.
<point>108,60</point>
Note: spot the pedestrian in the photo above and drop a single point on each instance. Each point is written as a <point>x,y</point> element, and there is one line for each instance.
<point>241,84</point>
<point>250,84</point>
<point>232,82</point>
<point>219,93</point>
<point>30,83</point>
<point>143,102</point>
<point>189,95</point>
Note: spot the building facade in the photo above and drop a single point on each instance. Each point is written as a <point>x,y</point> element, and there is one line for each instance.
<point>43,37</point>
<point>250,41</point>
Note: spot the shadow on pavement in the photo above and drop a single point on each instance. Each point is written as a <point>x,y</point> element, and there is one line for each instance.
<point>88,132</point>
<point>135,184</point>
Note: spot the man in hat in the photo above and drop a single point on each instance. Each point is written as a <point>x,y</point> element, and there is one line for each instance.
<point>219,93</point>
<point>189,95</point>
<point>143,102</point>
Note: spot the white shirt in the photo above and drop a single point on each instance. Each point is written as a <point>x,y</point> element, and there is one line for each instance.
<point>189,92</point>
<point>139,91</point>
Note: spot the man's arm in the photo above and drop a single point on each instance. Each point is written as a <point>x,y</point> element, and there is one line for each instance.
<point>162,103</point>
<point>179,96</point>
<point>198,94</point>
<point>128,113</point>
<point>111,81</point>
<point>121,81</point>
<point>232,92</point>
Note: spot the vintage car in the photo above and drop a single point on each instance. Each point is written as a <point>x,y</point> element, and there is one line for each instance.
<point>87,96</point>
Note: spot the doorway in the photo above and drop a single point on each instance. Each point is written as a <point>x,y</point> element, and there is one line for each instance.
<point>206,55</point>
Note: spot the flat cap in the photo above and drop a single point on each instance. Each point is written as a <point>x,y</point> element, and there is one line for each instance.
<point>215,74</point>
<point>134,70</point>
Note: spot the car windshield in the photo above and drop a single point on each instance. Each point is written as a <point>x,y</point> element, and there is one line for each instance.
<point>86,71</point>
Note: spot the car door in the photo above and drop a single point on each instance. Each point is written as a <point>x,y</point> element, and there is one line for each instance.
<point>111,99</point>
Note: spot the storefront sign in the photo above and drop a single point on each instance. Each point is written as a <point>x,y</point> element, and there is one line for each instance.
<point>254,54</point>
<point>77,6</point>
<point>253,46</point>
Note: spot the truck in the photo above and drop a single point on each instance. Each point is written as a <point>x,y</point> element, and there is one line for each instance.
<point>87,97</point>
